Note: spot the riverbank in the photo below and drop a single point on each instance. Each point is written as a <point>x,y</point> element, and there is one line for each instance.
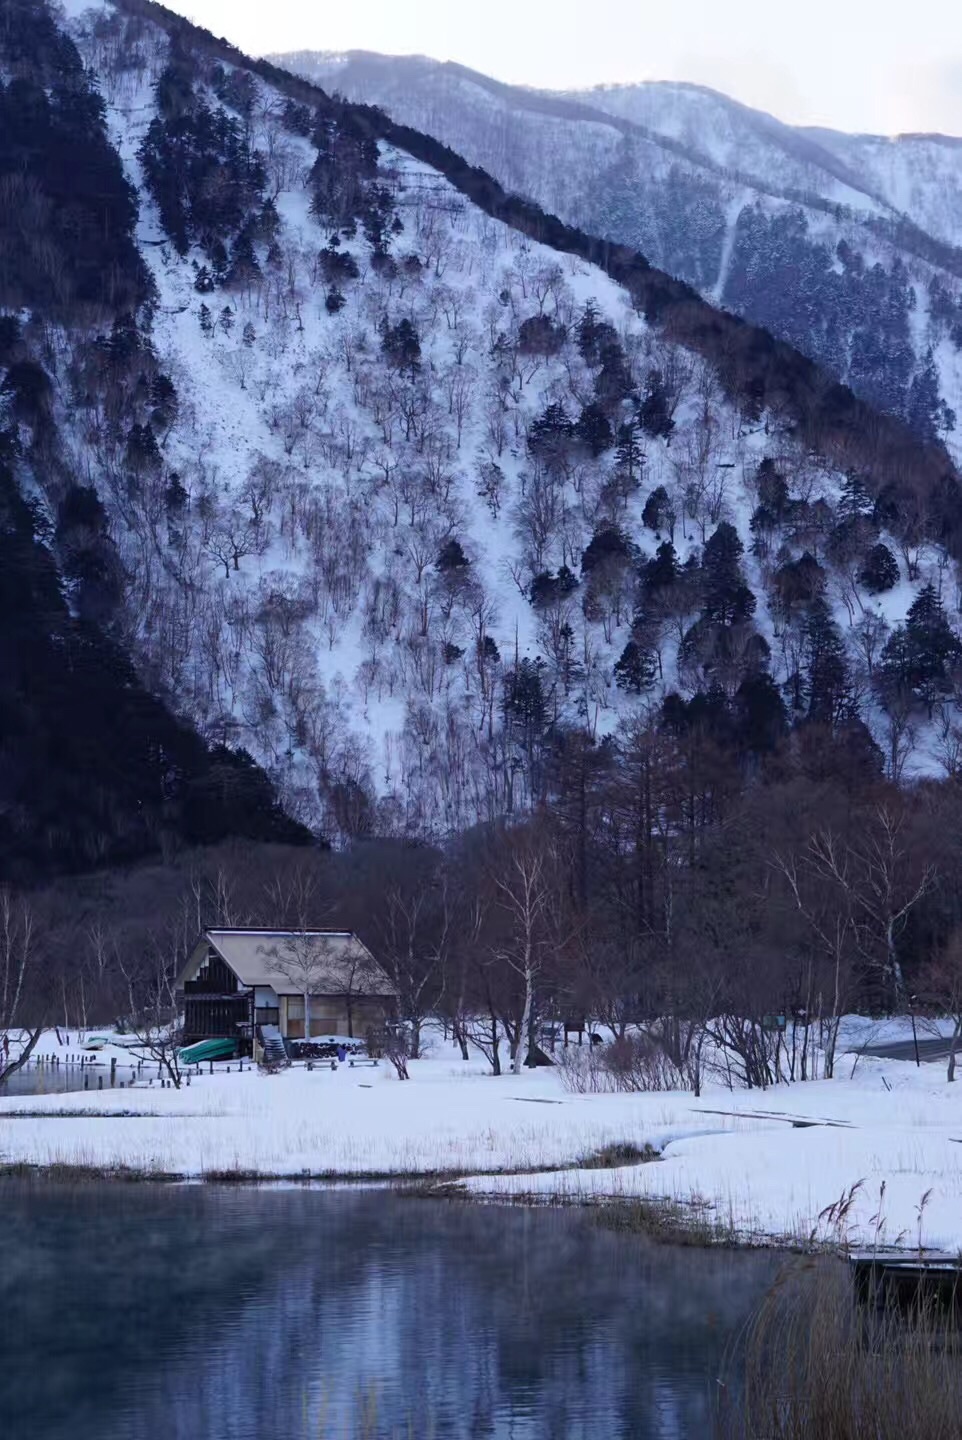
<point>744,1165</point>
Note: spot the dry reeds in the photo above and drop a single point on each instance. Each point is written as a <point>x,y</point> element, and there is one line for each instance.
<point>818,1366</point>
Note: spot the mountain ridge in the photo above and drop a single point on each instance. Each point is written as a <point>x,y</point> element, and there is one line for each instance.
<point>706,179</point>
<point>416,491</point>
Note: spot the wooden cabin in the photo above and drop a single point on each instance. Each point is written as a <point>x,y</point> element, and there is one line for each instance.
<point>238,981</point>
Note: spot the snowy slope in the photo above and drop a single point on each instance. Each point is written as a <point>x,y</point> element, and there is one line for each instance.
<point>919,175</point>
<point>735,137</point>
<point>692,178</point>
<point>284,552</point>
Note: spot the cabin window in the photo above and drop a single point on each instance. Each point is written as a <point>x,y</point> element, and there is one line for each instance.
<point>267,1015</point>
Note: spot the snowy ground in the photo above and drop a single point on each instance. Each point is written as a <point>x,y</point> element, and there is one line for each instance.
<point>735,1156</point>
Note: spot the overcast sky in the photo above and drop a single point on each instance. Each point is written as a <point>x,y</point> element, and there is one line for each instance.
<point>880,65</point>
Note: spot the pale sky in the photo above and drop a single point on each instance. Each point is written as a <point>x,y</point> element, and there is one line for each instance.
<point>887,66</point>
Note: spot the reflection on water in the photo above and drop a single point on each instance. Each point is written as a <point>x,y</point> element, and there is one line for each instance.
<point>60,1079</point>
<point>235,1314</point>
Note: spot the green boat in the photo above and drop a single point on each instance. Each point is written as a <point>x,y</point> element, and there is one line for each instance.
<point>208,1050</point>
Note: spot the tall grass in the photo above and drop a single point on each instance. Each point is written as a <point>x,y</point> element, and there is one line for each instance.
<point>817,1366</point>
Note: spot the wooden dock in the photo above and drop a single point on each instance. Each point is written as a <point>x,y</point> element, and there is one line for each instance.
<point>907,1278</point>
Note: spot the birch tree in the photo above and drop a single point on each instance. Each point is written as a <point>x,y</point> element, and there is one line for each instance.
<point>521,882</point>
<point>21,1016</point>
<point>869,887</point>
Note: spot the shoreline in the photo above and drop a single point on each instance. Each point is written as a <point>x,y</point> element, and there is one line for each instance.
<point>870,1158</point>
<point>660,1221</point>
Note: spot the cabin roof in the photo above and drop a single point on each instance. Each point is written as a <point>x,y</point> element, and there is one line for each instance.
<point>328,962</point>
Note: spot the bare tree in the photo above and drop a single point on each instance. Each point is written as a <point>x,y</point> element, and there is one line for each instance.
<point>416,934</point>
<point>827,909</point>
<point>21,1014</point>
<point>305,959</point>
<point>153,1016</point>
<point>877,886</point>
<point>520,877</point>
<point>940,983</point>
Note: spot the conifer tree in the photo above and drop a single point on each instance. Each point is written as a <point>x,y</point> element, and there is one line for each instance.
<point>635,671</point>
<point>657,514</point>
<point>923,655</point>
<point>654,415</point>
<point>880,571</point>
<point>827,687</point>
<point>728,600</point>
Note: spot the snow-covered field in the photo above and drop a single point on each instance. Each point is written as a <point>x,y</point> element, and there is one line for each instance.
<point>733,1156</point>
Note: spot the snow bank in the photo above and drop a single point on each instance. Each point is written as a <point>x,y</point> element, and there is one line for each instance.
<point>738,1155</point>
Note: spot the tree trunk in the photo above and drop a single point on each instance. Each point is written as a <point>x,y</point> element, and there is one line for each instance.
<point>10,1067</point>
<point>307,1015</point>
<point>950,1076</point>
<point>522,1035</point>
<point>894,968</point>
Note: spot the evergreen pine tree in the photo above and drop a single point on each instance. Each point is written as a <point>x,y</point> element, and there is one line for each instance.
<point>728,600</point>
<point>760,717</point>
<point>661,571</point>
<point>635,671</point>
<point>657,510</point>
<point>653,413</point>
<point>880,571</point>
<point>594,430</point>
<point>855,500</point>
<point>932,646</point>
<point>591,331</point>
<point>827,687</point>
<point>772,489</point>
<point>923,407</point>
<point>402,345</point>
<point>628,450</point>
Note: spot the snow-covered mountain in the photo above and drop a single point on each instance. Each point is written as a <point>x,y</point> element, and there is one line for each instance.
<point>847,246</point>
<point>407,482</point>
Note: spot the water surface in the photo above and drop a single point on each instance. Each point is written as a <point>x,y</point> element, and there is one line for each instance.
<point>62,1079</point>
<point>238,1314</point>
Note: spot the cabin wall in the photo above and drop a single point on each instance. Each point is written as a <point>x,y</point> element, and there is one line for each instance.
<point>331,1015</point>
<point>216,1017</point>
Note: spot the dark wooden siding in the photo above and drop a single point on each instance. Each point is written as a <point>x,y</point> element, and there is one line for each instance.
<point>215,978</point>
<point>214,1017</point>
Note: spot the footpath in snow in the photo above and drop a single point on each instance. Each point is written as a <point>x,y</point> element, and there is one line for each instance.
<point>734,1156</point>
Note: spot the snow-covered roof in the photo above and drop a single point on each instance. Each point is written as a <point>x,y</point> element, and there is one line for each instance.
<point>331,962</point>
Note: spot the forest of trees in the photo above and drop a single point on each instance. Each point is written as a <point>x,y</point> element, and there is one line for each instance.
<point>566,622</point>
<point>94,768</point>
<point>666,883</point>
